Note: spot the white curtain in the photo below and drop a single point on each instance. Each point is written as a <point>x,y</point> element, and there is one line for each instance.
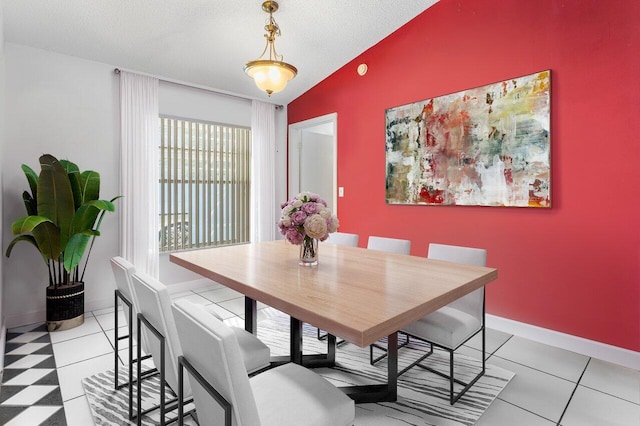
<point>263,147</point>
<point>139,134</point>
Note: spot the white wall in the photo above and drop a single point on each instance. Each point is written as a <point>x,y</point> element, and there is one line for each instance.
<point>316,165</point>
<point>2,145</point>
<point>69,107</point>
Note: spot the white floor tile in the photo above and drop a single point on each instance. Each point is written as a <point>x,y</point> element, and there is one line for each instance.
<point>78,412</point>
<point>70,376</point>
<point>593,408</point>
<point>192,297</point>
<point>211,285</point>
<point>28,377</point>
<point>80,349</point>
<point>540,393</point>
<point>122,331</point>
<point>108,310</point>
<point>501,413</point>
<point>559,362</point>
<point>234,305</point>
<point>493,340</point>
<point>613,379</point>
<point>90,326</point>
<point>30,395</point>
<point>24,328</point>
<point>33,415</point>
<point>27,348</point>
<point>221,294</point>
<point>108,321</point>
<point>222,312</point>
<point>237,306</point>
<point>28,337</point>
<point>27,361</point>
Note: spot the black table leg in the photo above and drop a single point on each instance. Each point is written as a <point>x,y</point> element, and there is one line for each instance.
<point>250,315</point>
<point>379,393</point>
<point>295,343</point>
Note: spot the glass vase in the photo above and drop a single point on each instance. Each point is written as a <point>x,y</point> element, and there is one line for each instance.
<point>309,252</point>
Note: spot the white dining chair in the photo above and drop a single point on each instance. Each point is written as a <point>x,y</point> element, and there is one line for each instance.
<point>123,270</point>
<point>453,325</point>
<point>344,239</point>
<point>341,239</point>
<point>223,394</point>
<point>389,245</point>
<point>164,344</point>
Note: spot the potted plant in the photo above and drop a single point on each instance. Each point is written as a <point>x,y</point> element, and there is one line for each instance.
<point>63,219</point>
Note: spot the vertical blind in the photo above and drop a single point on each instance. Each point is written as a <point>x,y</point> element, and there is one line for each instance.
<point>204,184</point>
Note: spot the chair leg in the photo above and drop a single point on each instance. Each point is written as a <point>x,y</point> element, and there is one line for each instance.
<point>324,337</point>
<point>453,397</point>
<point>373,360</point>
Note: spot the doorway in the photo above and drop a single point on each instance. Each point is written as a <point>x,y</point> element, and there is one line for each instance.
<point>313,159</point>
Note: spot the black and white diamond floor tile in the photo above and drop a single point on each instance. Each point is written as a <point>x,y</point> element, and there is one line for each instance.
<point>30,392</point>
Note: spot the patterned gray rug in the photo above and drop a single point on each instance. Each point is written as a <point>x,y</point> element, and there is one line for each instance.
<point>422,396</point>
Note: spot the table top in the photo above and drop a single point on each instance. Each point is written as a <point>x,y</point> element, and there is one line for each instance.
<point>354,293</point>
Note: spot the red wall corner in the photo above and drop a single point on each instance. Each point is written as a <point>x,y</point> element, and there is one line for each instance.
<point>574,268</point>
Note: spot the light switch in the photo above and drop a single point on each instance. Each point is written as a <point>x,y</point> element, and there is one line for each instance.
<point>341,191</point>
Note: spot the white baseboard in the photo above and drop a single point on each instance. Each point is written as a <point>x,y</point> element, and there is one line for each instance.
<point>33,317</point>
<point>610,353</point>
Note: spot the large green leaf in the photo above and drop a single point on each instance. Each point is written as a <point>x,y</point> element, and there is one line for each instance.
<point>27,238</point>
<point>90,186</point>
<point>27,224</point>
<point>84,219</point>
<point>74,250</point>
<point>30,204</point>
<point>103,205</point>
<point>76,188</point>
<point>73,172</point>
<point>32,178</point>
<point>48,238</point>
<point>55,197</point>
<point>69,166</point>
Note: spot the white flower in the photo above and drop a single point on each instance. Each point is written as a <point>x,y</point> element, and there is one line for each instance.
<point>325,213</point>
<point>297,203</point>
<point>315,226</point>
<point>333,224</point>
<point>286,222</point>
<point>286,211</point>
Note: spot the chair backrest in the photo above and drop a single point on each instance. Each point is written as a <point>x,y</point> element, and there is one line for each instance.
<point>471,303</point>
<point>155,305</point>
<point>122,272</point>
<point>212,348</point>
<point>390,245</point>
<point>344,239</point>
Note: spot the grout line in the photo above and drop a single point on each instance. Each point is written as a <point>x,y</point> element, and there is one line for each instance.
<point>523,409</point>
<point>540,371</point>
<point>573,393</point>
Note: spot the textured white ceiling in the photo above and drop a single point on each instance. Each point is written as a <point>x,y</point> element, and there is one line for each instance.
<point>207,42</point>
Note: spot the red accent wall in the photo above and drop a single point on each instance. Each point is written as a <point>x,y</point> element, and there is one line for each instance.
<point>573,268</point>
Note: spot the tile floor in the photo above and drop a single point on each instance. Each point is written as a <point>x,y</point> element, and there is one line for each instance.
<point>551,386</point>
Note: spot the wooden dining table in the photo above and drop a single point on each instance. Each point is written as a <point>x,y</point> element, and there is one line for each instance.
<point>357,294</point>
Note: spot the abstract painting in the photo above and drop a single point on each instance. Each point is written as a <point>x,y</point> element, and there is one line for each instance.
<point>487,146</point>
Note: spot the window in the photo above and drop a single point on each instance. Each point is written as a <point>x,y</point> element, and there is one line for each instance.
<point>204,184</point>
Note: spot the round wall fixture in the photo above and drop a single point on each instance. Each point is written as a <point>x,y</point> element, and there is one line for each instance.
<point>362,69</point>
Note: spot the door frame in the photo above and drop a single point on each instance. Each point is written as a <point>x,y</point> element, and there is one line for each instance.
<point>293,149</point>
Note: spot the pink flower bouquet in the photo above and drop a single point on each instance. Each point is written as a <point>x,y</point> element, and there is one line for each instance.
<point>306,216</point>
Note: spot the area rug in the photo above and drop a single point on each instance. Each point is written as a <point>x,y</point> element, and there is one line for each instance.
<point>423,397</point>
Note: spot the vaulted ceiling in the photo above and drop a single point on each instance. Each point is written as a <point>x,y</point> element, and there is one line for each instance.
<point>207,42</point>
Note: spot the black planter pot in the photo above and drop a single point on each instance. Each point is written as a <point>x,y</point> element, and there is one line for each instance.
<point>65,306</point>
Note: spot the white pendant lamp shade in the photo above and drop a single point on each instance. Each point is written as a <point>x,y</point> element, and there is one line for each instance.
<point>270,75</point>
